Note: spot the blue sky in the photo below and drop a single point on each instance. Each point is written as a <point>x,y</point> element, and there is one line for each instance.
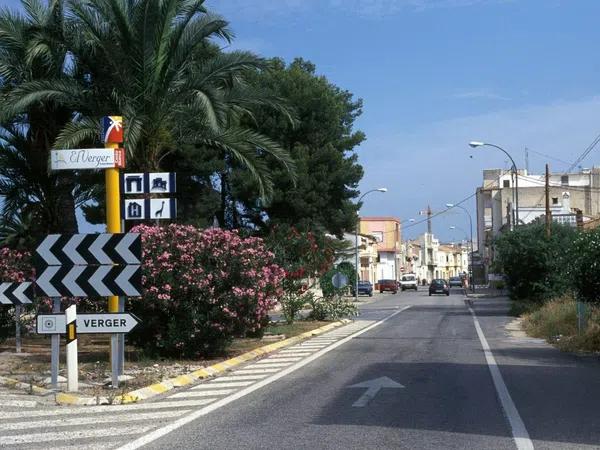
<point>435,74</point>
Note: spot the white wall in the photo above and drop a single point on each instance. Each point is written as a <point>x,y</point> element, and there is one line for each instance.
<point>386,269</point>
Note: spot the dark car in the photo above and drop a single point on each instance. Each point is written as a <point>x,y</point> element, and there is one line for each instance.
<point>456,281</point>
<point>439,286</point>
<point>388,285</point>
<point>364,288</point>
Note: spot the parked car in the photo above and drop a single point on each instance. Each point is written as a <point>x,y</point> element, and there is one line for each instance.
<point>456,281</point>
<point>408,281</point>
<point>364,288</point>
<point>439,286</point>
<point>388,285</point>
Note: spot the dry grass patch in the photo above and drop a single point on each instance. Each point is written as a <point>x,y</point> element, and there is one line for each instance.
<point>556,321</point>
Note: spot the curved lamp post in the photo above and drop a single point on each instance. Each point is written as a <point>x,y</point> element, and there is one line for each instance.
<point>476,144</point>
<point>356,242</point>
<point>450,206</point>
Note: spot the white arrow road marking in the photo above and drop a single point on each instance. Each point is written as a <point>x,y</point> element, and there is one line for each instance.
<point>156,434</point>
<point>3,299</point>
<point>70,249</point>
<point>19,292</point>
<point>123,280</point>
<point>122,248</point>
<point>373,388</point>
<point>71,284</point>
<point>44,284</point>
<point>44,250</point>
<point>96,281</point>
<point>96,249</point>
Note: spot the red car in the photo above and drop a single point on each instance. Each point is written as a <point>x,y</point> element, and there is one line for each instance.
<point>388,285</point>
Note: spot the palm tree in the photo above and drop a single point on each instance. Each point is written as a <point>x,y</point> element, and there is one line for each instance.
<point>31,51</point>
<point>153,61</point>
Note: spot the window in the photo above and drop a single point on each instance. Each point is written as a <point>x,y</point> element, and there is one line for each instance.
<point>555,200</point>
<point>564,180</point>
<point>506,183</point>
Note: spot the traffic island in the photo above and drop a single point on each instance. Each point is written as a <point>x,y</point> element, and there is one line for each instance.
<point>148,379</point>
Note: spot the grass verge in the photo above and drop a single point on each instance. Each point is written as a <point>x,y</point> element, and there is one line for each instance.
<point>556,321</point>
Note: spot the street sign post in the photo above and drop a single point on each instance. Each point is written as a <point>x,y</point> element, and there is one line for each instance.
<point>101,323</point>
<point>72,363</point>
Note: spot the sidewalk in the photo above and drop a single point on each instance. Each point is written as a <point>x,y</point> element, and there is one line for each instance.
<point>486,292</point>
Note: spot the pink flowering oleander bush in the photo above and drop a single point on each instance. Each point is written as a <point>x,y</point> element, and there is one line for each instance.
<point>202,288</point>
<point>15,266</point>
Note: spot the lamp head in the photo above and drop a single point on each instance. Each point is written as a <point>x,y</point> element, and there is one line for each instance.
<point>453,227</point>
<point>449,205</point>
<point>475,144</point>
<point>382,190</point>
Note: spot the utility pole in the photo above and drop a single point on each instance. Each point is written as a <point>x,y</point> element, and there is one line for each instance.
<point>527,159</point>
<point>548,213</point>
<point>429,230</point>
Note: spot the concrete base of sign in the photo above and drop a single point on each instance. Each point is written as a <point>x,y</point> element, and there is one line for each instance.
<point>121,378</point>
<point>60,378</point>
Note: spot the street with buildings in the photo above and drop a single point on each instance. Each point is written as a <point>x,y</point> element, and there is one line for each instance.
<point>258,224</point>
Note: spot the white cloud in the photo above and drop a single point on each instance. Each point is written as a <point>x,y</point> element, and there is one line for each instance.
<point>477,94</point>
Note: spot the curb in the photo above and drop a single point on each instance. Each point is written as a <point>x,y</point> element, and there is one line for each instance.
<point>200,374</point>
<point>16,384</point>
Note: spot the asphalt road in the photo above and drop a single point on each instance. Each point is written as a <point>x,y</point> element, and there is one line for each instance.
<point>412,372</point>
<point>432,349</point>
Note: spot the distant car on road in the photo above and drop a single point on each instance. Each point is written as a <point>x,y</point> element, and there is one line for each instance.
<point>408,281</point>
<point>388,285</point>
<point>364,288</point>
<point>456,281</point>
<point>439,286</point>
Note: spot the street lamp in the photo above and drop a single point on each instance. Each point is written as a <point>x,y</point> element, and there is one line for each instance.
<point>356,241</point>
<point>450,206</point>
<point>475,144</point>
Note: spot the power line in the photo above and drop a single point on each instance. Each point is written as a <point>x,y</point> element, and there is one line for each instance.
<point>585,153</point>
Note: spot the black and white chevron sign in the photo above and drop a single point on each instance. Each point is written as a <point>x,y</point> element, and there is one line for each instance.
<point>88,249</point>
<point>90,281</point>
<point>16,293</point>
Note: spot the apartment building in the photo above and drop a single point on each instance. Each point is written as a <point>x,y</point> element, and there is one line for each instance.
<point>569,192</point>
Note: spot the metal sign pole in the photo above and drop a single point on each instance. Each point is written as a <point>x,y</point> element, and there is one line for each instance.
<point>18,328</point>
<point>121,338</point>
<point>54,359</point>
<point>113,225</point>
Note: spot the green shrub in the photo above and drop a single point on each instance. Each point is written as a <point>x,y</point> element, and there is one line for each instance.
<point>534,266</point>
<point>332,308</point>
<point>584,270</point>
<point>326,284</point>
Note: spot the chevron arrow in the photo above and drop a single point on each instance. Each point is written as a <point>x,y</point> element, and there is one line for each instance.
<point>15,293</point>
<point>88,249</point>
<point>90,281</point>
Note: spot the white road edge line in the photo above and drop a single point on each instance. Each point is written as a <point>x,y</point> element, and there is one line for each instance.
<point>160,432</point>
<point>519,432</point>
